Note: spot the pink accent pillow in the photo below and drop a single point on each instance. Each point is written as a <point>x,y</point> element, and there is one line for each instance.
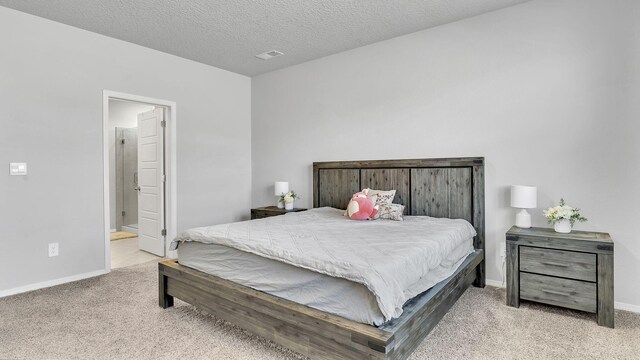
<point>361,207</point>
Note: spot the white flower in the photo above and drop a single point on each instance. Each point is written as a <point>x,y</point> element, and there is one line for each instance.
<point>557,213</point>
<point>288,198</point>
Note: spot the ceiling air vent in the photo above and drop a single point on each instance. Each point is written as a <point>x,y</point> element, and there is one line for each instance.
<point>269,54</point>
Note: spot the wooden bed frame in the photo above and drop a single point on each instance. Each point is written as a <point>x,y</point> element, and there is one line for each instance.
<point>436,187</point>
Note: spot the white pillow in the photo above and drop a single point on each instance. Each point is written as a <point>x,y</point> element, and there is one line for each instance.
<point>391,212</point>
<point>384,197</point>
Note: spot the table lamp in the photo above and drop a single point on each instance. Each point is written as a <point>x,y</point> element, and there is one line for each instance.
<point>524,197</point>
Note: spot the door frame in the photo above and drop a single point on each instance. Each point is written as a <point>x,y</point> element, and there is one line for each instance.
<point>170,168</point>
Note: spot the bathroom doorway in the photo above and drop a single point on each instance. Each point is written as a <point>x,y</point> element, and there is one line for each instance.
<point>139,210</point>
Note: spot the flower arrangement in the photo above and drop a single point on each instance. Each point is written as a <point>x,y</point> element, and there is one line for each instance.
<point>563,212</point>
<point>289,197</point>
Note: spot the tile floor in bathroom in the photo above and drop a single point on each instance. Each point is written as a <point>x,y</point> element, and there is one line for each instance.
<point>126,253</point>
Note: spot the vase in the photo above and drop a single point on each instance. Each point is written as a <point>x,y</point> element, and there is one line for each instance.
<point>562,226</point>
<point>288,205</point>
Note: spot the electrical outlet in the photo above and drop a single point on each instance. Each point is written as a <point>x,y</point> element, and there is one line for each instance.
<point>53,249</point>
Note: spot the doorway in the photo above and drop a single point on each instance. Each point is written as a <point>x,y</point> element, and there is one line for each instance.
<point>139,138</point>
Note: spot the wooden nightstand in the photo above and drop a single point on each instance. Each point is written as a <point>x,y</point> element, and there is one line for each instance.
<point>263,212</point>
<point>572,270</point>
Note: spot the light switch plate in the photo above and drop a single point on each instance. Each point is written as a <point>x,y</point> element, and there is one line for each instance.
<point>17,169</point>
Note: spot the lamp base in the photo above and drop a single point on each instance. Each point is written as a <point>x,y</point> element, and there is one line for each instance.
<point>280,203</point>
<point>523,219</point>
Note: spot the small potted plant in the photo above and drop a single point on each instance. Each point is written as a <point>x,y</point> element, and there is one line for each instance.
<point>563,217</point>
<point>288,199</point>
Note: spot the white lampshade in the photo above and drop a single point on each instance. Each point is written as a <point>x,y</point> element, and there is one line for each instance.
<point>524,197</point>
<point>280,187</point>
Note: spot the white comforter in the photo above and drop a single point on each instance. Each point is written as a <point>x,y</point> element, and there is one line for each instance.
<point>388,257</point>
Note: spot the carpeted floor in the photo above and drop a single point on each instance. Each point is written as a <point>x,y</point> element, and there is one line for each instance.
<point>116,316</point>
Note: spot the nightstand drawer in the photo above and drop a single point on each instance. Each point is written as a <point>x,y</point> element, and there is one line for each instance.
<point>573,294</point>
<point>569,264</point>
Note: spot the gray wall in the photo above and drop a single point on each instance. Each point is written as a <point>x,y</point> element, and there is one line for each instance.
<point>547,91</point>
<point>51,82</point>
<point>122,114</point>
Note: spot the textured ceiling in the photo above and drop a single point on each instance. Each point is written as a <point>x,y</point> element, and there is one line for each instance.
<point>228,34</point>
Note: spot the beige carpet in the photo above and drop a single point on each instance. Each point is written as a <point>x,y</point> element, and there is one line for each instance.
<point>116,316</point>
<point>119,235</point>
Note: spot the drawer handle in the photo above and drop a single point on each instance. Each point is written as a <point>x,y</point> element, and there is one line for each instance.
<point>554,292</point>
<point>555,264</point>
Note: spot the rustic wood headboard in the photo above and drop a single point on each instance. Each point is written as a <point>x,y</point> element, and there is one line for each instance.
<point>450,187</point>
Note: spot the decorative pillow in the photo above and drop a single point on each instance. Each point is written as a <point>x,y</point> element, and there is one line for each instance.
<point>391,212</point>
<point>383,197</point>
<point>364,191</point>
<point>361,207</point>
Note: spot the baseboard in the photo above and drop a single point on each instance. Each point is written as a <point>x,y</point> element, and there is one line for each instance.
<point>494,283</point>
<point>50,283</point>
<point>627,307</point>
<point>127,228</point>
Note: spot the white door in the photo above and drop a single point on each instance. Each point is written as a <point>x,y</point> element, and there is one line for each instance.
<point>151,233</point>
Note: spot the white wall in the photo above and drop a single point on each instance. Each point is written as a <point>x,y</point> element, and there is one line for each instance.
<point>51,82</point>
<point>123,114</point>
<point>546,91</point>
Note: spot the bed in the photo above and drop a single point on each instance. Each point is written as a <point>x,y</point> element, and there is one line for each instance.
<point>361,270</point>
<point>438,188</point>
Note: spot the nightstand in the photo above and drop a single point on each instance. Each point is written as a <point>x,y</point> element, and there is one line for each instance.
<point>263,212</point>
<point>572,270</point>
